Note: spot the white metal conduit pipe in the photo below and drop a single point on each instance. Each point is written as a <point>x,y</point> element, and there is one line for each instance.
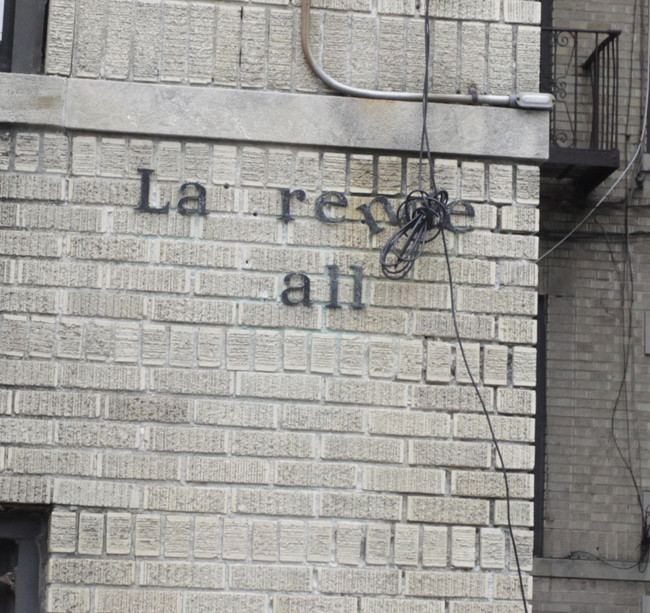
<point>532,101</point>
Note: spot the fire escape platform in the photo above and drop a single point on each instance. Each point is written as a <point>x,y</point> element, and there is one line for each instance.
<point>585,168</point>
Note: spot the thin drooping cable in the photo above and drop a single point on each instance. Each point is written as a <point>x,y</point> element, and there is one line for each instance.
<point>422,217</point>
<point>644,128</point>
<point>495,441</point>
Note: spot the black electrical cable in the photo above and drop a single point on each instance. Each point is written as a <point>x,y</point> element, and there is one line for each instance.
<point>422,217</point>
<point>495,441</point>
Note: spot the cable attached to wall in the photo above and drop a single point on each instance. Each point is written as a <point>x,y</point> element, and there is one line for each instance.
<point>423,216</point>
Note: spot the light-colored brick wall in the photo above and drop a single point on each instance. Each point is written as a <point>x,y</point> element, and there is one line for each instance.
<point>205,447</point>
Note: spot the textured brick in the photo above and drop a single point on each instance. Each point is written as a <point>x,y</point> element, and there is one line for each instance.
<point>326,418</point>
<point>182,574</point>
<point>108,572</point>
<point>273,502</point>
<point>309,474</point>
<point>91,533</point>
<point>358,581</point>
<point>361,506</point>
<point>378,544</point>
<point>277,578</point>
<point>468,585</point>
<point>109,601</point>
<point>172,498</point>
<point>314,604</point>
<point>448,510</point>
<point>362,449</point>
<point>216,470</point>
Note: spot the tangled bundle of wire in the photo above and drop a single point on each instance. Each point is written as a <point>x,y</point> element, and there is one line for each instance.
<point>422,216</point>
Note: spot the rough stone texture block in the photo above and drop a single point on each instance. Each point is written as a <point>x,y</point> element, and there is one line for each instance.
<point>463,547</point>
<point>320,538</point>
<point>375,393</point>
<point>264,542</point>
<point>448,510</point>
<point>516,401</point>
<point>362,449</point>
<point>60,36</point>
<point>438,364</point>
<point>517,330</point>
<point>147,408</point>
<point>378,542</point>
<point>358,581</point>
<point>35,244</point>
<point>187,499</point>
<point>473,327</point>
<point>450,453</point>
<point>147,535</point>
<point>276,316</point>
<point>454,585</point>
<point>348,543</point>
<point>201,602</point>
<point>309,474</point>
<point>495,365</point>
<point>186,381</point>
<point>182,575</point>
<point>276,578</point>
<point>314,604</point>
<point>409,423</point>
<point>396,605</point>
<point>177,534</point>
<point>33,373</point>
<point>56,404</point>
<point>140,601</point>
<point>75,434</point>
<point>208,542</point>
<point>63,532</point>
<point>519,219</point>
<point>527,54</point>
<point>273,502</point>
<point>91,533</point>
<point>292,541</point>
<point>351,356</point>
<point>527,184</point>
<point>50,461</point>
<point>231,470</point>
<point>89,493</point>
<point>118,39</point>
<point>88,571</point>
<point>361,506</point>
<point>291,387</point>
<point>188,440</point>
<point>434,546</point>
<point>235,539</point>
<point>68,600</point>
<point>522,11</point>
<point>518,273</point>
<point>521,429</point>
<point>119,528</point>
<point>25,490</point>
<point>236,413</point>
<point>195,311</point>
<point>500,73</point>
<point>524,366</point>
<point>492,548</point>
<point>101,377</point>
<point>445,71</point>
<point>276,444</point>
<point>407,545</point>
<point>408,480</point>
<point>326,418</point>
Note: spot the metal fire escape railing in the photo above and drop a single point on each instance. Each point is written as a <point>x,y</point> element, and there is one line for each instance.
<point>580,67</point>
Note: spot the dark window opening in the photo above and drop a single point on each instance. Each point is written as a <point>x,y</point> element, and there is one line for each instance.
<point>23,27</point>
<point>23,548</point>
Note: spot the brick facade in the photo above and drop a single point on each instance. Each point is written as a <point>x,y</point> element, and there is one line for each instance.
<point>204,446</point>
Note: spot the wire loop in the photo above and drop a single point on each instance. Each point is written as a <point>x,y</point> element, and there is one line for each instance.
<point>422,216</point>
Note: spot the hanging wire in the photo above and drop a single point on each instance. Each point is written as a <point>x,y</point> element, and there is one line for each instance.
<point>422,217</point>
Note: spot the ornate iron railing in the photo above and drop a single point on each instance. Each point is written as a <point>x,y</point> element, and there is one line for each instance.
<point>580,68</point>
